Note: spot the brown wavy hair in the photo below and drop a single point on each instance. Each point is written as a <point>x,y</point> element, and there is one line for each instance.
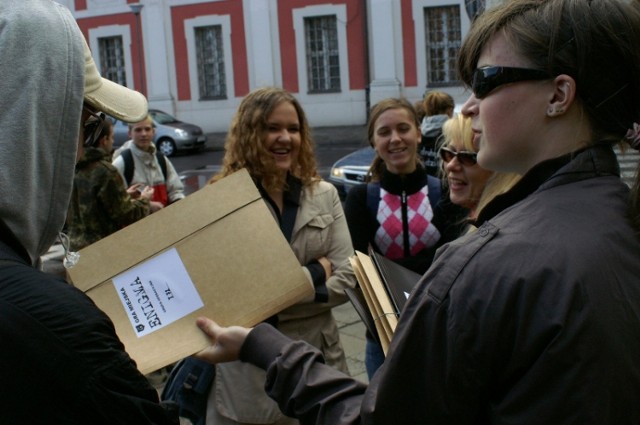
<point>245,142</point>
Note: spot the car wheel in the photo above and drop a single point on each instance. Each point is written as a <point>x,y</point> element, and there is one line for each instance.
<point>166,147</point>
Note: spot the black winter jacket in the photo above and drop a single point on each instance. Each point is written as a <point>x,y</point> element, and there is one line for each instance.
<point>532,319</point>
<point>61,361</point>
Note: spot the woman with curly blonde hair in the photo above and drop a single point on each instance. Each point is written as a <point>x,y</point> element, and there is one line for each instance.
<point>270,137</point>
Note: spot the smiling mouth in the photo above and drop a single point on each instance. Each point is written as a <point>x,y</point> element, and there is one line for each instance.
<point>456,183</point>
<point>281,152</point>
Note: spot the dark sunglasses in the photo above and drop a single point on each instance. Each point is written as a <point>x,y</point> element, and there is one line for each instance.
<point>464,157</point>
<point>93,127</point>
<point>489,78</point>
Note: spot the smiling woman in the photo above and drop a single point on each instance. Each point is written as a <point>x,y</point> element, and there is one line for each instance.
<point>396,212</point>
<point>270,137</point>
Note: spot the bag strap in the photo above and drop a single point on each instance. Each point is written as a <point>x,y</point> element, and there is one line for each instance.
<point>373,198</point>
<point>435,190</point>
<point>127,157</point>
<point>162,160</point>
<point>188,388</point>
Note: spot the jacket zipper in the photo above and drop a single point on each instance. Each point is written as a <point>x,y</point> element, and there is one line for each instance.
<point>405,224</point>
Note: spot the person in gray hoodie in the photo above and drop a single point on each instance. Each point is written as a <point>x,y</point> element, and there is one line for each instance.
<point>438,107</point>
<point>61,361</point>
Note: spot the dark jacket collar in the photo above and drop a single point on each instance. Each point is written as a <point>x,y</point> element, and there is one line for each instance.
<point>597,160</point>
<point>292,191</point>
<point>409,183</point>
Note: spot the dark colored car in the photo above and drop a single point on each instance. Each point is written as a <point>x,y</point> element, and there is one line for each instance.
<point>351,170</point>
<point>172,135</point>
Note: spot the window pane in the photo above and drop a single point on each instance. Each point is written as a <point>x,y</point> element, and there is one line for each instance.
<point>323,61</point>
<point>210,58</point>
<point>112,59</point>
<point>443,41</point>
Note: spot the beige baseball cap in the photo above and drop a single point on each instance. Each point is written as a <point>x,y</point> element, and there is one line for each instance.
<point>104,95</point>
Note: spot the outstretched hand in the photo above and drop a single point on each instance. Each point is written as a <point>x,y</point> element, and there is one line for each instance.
<point>225,342</point>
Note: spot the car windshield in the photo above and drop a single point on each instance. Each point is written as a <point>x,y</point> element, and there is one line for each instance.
<point>162,117</point>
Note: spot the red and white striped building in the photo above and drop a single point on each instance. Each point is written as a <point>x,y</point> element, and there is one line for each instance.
<point>197,58</point>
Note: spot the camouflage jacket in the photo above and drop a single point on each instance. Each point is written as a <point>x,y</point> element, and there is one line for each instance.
<point>100,204</point>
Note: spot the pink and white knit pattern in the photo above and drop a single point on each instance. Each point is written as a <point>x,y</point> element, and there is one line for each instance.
<point>389,236</point>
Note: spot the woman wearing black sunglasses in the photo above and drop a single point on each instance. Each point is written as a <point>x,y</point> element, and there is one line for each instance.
<point>535,317</point>
<point>469,185</point>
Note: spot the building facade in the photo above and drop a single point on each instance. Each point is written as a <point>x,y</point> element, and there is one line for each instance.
<point>196,59</point>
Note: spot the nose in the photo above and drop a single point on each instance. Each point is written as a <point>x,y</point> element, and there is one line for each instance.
<point>395,136</point>
<point>470,107</point>
<point>284,135</point>
<point>453,165</point>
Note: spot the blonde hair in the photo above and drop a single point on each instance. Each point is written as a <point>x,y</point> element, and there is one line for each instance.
<point>459,129</point>
<point>245,147</point>
<point>147,118</point>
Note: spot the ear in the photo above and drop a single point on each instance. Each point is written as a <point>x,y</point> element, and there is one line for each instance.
<point>563,96</point>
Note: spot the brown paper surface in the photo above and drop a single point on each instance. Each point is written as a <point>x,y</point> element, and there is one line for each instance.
<point>233,250</point>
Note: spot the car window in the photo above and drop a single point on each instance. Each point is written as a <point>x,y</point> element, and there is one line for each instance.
<point>162,117</point>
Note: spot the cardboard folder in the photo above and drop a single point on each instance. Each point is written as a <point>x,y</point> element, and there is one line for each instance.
<point>384,288</point>
<point>217,253</point>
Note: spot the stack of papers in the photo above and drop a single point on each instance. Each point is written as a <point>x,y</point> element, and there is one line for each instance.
<point>383,292</point>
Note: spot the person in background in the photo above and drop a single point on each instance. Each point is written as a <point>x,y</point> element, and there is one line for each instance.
<point>395,212</point>
<point>270,137</point>
<point>535,317</point>
<point>420,112</point>
<point>61,361</point>
<point>100,205</point>
<point>467,183</point>
<point>438,107</point>
<point>140,163</point>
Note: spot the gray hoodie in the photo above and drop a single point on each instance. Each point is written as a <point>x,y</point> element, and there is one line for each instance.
<point>40,108</point>
<point>432,126</point>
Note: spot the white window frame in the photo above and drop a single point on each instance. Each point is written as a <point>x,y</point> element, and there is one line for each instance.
<point>224,21</point>
<point>340,12</point>
<point>420,33</point>
<point>123,31</point>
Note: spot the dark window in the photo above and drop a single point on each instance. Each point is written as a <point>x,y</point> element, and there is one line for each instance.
<point>112,59</point>
<point>323,63</point>
<point>443,40</point>
<point>210,56</point>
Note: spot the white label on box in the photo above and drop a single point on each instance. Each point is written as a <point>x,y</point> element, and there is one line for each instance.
<point>157,292</point>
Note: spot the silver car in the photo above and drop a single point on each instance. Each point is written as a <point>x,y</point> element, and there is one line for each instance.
<point>351,170</point>
<point>172,135</point>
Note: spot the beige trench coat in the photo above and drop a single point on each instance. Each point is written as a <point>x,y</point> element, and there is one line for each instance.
<point>320,230</point>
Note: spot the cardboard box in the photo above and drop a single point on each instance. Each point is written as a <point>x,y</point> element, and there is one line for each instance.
<point>217,253</point>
